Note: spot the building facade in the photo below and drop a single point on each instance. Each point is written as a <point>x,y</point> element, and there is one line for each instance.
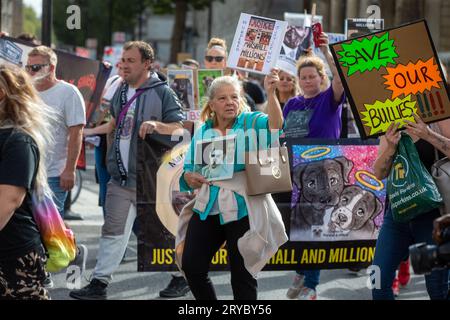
<point>223,19</point>
<point>11,17</point>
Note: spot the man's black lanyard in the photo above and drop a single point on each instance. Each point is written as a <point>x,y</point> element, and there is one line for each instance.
<point>125,106</point>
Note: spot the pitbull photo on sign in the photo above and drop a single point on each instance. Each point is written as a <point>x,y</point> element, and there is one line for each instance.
<point>336,196</point>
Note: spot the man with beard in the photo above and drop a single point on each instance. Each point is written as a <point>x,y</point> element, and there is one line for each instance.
<point>67,130</point>
<point>68,105</point>
<point>143,104</point>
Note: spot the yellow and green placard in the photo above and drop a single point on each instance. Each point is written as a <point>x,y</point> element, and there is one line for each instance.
<point>390,75</point>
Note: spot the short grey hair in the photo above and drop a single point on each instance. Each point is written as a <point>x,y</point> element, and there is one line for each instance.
<point>45,52</point>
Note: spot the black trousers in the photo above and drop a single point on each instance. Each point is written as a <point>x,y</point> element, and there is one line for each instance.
<point>203,240</point>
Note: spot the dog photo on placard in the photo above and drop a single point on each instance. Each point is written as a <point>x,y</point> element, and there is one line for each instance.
<point>335,196</point>
<point>214,158</point>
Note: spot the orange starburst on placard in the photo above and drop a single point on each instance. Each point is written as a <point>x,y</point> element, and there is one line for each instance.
<point>413,78</point>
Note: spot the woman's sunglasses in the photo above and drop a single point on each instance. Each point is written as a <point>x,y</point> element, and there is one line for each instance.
<point>217,58</point>
<point>35,67</point>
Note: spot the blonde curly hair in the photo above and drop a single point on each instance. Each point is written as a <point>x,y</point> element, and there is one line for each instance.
<point>23,109</point>
<point>315,62</point>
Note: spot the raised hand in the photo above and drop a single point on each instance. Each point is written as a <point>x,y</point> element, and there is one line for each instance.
<point>271,80</point>
<point>418,129</point>
<point>393,136</point>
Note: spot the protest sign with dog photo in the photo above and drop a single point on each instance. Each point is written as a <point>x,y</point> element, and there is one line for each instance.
<point>257,44</point>
<point>214,158</point>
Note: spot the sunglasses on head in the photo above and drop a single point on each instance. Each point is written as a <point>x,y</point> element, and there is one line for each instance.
<point>217,58</point>
<point>35,67</point>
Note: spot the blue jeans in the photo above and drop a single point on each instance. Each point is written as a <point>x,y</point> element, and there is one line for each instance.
<point>59,195</point>
<point>393,247</point>
<point>312,278</point>
<point>102,175</point>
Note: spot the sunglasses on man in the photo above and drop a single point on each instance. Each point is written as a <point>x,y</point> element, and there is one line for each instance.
<point>35,67</point>
<point>217,58</point>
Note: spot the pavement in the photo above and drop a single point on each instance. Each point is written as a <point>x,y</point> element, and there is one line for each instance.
<point>128,284</point>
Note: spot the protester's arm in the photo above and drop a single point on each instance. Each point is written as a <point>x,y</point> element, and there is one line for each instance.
<point>423,131</point>
<point>148,127</point>
<point>195,180</point>
<point>17,171</point>
<point>273,104</point>
<point>171,116</point>
<point>106,128</point>
<point>67,177</point>
<point>338,88</point>
<point>190,180</point>
<point>386,152</point>
<point>11,197</point>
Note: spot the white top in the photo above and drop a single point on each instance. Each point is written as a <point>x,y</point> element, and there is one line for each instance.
<point>111,86</point>
<point>68,104</point>
<point>127,129</point>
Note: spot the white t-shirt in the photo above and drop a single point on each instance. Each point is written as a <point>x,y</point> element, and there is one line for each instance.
<point>68,104</point>
<point>111,86</point>
<point>127,129</point>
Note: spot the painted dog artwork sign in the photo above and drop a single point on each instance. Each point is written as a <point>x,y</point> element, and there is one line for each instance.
<point>336,196</point>
<point>332,217</point>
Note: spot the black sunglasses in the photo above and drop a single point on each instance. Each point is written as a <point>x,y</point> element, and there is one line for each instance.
<point>217,58</point>
<point>35,67</point>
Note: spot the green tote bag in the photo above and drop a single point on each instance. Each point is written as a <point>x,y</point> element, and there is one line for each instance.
<point>410,187</point>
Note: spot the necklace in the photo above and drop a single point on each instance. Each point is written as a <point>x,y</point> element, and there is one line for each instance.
<point>308,105</point>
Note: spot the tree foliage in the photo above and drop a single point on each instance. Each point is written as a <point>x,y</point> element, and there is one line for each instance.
<point>100,18</point>
<point>31,23</point>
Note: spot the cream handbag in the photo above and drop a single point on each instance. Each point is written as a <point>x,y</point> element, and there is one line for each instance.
<point>267,171</point>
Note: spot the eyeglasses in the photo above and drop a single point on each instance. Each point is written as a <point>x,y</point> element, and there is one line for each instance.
<point>35,67</point>
<point>217,58</point>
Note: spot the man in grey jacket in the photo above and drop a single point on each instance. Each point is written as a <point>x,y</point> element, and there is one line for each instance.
<point>142,105</point>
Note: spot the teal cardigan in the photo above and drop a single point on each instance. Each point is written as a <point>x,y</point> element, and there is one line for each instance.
<point>207,132</point>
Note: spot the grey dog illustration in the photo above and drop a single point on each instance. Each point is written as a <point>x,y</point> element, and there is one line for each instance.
<point>321,184</point>
<point>355,212</point>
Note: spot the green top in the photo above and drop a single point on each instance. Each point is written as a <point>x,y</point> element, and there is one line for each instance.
<point>265,138</point>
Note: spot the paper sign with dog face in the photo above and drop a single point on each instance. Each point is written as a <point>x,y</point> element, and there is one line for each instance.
<point>182,83</point>
<point>214,158</point>
<point>257,44</point>
<point>391,74</point>
<point>336,196</point>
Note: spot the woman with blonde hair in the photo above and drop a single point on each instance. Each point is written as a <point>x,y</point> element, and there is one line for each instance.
<point>24,137</point>
<point>216,58</point>
<point>222,211</point>
<point>216,54</point>
<point>287,88</point>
